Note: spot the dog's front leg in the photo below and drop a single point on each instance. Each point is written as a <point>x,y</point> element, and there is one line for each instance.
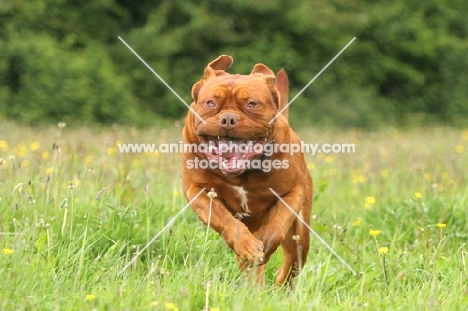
<point>248,249</point>
<point>279,220</point>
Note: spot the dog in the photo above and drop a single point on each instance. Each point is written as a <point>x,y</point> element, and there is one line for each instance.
<point>230,110</point>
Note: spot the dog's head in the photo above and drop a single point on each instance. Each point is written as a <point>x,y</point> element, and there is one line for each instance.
<point>237,110</point>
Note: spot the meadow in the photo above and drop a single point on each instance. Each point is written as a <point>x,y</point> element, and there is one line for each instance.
<point>74,211</point>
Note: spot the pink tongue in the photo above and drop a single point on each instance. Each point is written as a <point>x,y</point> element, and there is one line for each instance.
<point>238,149</point>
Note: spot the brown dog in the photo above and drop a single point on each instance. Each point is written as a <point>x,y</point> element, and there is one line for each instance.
<point>236,110</point>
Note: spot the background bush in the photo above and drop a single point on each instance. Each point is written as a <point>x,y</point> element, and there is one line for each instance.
<point>62,59</point>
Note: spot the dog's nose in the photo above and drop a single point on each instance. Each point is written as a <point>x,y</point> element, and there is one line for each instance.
<point>227,120</point>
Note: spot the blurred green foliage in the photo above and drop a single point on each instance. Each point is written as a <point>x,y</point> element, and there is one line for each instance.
<point>62,60</point>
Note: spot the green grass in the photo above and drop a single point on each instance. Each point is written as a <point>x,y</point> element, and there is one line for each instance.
<point>66,250</point>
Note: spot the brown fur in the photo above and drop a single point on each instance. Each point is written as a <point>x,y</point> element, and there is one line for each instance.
<point>269,224</point>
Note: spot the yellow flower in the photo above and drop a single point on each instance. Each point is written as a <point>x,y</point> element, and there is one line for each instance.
<point>20,150</point>
<point>214,309</point>
<point>111,151</point>
<point>465,135</point>
<point>90,297</point>
<point>18,188</point>
<point>175,193</point>
<point>356,223</point>
<point>374,232</point>
<point>170,306</point>
<point>89,159</point>
<point>383,250</point>
<point>154,303</point>
<point>3,145</point>
<point>329,159</point>
<point>370,200</point>
<point>441,226</point>
<point>459,149</point>
<point>8,251</point>
<point>25,163</point>
<point>359,179</point>
<point>45,155</point>
<point>49,170</point>
<point>385,173</point>
<point>418,195</point>
<point>35,145</point>
<point>310,166</point>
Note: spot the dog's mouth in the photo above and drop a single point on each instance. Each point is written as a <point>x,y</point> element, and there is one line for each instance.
<point>232,155</point>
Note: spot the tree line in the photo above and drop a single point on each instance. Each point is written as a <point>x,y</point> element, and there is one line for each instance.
<point>62,59</point>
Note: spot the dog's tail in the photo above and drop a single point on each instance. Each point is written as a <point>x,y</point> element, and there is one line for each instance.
<point>282,85</point>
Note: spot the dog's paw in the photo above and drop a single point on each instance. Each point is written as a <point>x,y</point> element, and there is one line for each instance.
<point>271,239</point>
<point>249,251</point>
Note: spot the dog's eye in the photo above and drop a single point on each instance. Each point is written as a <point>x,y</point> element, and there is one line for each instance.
<point>211,104</point>
<point>251,105</point>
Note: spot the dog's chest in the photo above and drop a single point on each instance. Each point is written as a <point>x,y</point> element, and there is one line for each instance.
<point>245,200</point>
<point>241,196</point>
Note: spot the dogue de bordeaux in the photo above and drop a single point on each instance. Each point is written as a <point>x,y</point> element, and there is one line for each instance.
<point>233,124</point>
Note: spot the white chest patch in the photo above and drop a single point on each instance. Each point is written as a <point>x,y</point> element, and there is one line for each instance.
<point>243,197</point>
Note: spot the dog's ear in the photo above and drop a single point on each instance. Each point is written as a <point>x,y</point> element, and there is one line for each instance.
<point>260,68</point>
<point>195,90</point>
<point>263,71</point>
<point>215,68</point>
<point>218,66</point>
<point>223,62</point>
<point>282,85</point>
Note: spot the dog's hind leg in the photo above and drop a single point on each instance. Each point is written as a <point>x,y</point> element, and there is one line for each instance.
<point>295,247</point>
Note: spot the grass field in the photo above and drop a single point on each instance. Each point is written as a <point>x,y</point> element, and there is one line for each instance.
<point>74,211</point>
